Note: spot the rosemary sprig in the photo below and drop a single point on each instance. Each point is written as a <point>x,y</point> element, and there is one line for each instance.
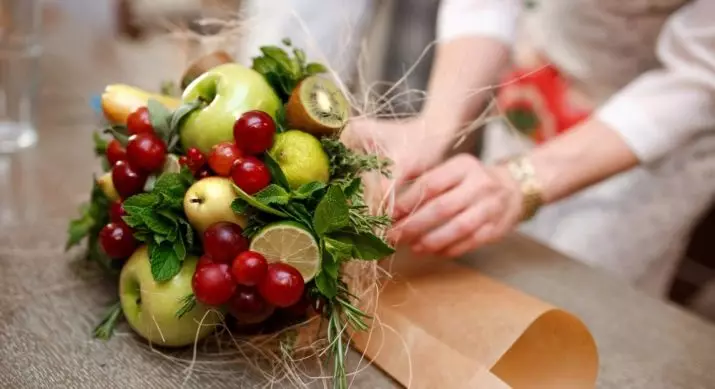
<point>188,303</point>
<point>105,329</point>
<point>341,315</point>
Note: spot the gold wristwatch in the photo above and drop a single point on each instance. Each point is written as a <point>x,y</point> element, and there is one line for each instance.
<point>522,171</point>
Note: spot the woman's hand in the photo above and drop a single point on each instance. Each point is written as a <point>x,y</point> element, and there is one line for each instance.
<point>412,145</point>
<point>457,207</point>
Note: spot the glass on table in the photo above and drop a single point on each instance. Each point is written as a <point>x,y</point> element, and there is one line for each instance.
<point>20,52</point>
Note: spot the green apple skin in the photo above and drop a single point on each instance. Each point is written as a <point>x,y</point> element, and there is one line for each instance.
<point>150,307</point>
<point>231,89</point>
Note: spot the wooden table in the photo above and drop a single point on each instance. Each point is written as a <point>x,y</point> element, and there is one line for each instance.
<point>49,300</point>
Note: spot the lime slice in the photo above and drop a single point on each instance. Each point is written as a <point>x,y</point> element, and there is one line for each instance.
<point>291,243</point>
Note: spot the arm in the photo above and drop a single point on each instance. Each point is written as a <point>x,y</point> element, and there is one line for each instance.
<point>658,112</point>
<point>472,47</point>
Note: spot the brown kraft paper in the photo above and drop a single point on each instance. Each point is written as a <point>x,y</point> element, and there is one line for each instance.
<point>447,326</point>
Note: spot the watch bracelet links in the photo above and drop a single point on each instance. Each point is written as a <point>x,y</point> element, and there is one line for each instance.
<point>522,170</point>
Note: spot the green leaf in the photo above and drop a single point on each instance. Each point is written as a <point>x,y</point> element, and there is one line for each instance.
<point>279,55</point>
<point>165,263</point>
<point>188,232</point>
<point>286,41</point>
<point>188,303</point>
<point>180,248</point>
<point>159,224</point>
<point>93,217</point>
<point>307,190</point>
<point>100,144</point>
<point>300,57</point>
<point>120,136</point>
<point>353,187</point>
<point>276,171</point>
<point>239,206</point>
<point>332,212</point>
<point>173,187</point>
<point>78,229</point>
<point>160,118</point>
<point>366,246</point>
<point>182,113</point>
<point>314,68</point>
<point>299,213</point>
<point>256,204</point>
<point>281,123</point>
<point>327,285</point>
<point>105,329</point>
<point>273,194</point>
<point>339,250</point>
<point>143,235</point>
<point>139,201</point>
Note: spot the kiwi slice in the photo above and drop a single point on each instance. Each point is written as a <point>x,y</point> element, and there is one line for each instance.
<point>317,106</point>
<point>203,65</point>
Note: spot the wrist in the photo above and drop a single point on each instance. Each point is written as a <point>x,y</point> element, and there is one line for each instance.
<point>519,175</point>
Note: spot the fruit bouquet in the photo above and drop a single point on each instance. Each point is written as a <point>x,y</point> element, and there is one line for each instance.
<point>235,209</point>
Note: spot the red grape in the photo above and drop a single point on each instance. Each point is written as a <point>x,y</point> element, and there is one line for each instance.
<point>204,260</point>
<point>146,152</point>
<point>254,131</point>
<point>126,180</point>
<point>116,211</point>
<point>184,161</point>
<point>222,158</point>
<point>196,160</point>
<point>248,307</point>
<point>203,173</point>
<point>138,122</point>
<point>283,285</point>
<point>223,241</point>
<point>249,268</point>
<point>117,240</point>
<point>251,175</point>
<point>115,152</point>
<point>212,284</point>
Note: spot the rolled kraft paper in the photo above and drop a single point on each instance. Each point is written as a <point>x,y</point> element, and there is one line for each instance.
<point>447,326</point>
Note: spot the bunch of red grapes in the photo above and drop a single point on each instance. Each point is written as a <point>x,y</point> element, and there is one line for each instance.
<point>145,153</point>
<point>230,275</point>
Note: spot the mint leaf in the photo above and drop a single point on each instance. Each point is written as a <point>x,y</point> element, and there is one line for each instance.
<point>332,212</point>
<point>366,246</point>
<point>159,224</point>
<point>92,219</point>
<point>239,206</point>
<point>339,250</point>
<point>327,285</point>
<point>118,134</point>
<point>78,229</point>
<point>280,57</point>
<point>306,190</point>
<point>140,201</point>
<point>280,119</point>
<point>165,263</point>
<point>253,202</point>
<point>273,194</point>
<point>353,188</point>
<point>299,213</point>
<point>173,187</point>
<point>182,113</point>
<point>314,68</point>
<point>276,172</point>
<point>160,118</point>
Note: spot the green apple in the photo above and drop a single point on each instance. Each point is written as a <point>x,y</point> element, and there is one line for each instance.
<point>230,90</point>
<point>208,201</point>
<point>150,307</point>
<point>301,157</point>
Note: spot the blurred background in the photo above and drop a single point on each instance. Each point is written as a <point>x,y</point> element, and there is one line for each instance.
<point>70,49</point>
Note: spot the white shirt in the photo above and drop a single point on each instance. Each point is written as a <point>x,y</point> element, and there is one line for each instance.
<point>649,65</point>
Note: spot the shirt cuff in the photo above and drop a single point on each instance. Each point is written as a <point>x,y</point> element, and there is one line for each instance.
<point>636,127</point>
<point>496,20</point>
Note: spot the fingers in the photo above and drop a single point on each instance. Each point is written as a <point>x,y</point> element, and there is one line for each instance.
<point>460,228</point>
<point>483,236</point>
<point>434,212</point>
<point>432,184</point>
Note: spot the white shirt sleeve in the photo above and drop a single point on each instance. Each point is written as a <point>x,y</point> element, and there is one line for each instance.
<point>492,18</point>
<point>664,108</point>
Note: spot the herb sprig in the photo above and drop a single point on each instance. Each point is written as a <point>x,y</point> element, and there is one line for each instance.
<point>283,71</point>
<point>158,219</point>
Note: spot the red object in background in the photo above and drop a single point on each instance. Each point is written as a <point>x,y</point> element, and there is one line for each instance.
<point>537,103</point>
